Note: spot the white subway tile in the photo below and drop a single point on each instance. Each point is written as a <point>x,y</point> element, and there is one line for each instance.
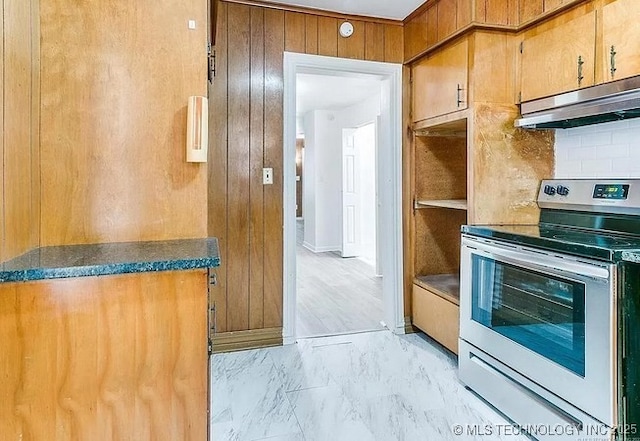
<point>582,153</point>
<point>602,150</point>
<point>568,169</point>
<point>594,167</point>
<point>633,123</point>
<point>612,151</point>
<point>561,153</point>
<point>624,136</point>
<point>596,138</point>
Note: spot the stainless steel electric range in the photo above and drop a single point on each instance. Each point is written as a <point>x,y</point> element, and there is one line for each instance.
<point>550,313</point>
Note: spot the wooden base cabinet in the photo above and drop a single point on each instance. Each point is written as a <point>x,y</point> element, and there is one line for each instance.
<point>120,357</point>
<point>437,316</point>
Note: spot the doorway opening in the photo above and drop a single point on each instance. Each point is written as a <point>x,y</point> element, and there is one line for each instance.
<point>342,201</point>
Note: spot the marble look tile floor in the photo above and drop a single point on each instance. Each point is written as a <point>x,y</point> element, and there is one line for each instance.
<point>359,387</point>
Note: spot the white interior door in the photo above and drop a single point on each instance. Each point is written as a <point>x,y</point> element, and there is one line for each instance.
<point>350,196</point>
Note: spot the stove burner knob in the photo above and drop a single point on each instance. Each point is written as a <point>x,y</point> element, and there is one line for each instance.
<point>548,189</point>
<point>562,190</point>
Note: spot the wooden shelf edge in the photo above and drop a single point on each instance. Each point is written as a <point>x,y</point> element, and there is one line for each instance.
<point>454,204</point>
<point>446,286</point>
<point>451,124</point>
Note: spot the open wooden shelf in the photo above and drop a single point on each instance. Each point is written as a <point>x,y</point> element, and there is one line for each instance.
<point>446,286</point>
<point>455,204</point>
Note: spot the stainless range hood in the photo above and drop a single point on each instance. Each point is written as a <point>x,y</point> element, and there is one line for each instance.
<point>602,103</point>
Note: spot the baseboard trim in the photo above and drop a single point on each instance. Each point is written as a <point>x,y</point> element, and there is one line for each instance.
<point>408,326</point>
<point>310,247</point>
<point>251,339</point>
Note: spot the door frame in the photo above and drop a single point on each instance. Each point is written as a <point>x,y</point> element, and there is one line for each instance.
<point>391,225</point>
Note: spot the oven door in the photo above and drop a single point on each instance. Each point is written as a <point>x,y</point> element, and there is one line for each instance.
<point>548,317</point>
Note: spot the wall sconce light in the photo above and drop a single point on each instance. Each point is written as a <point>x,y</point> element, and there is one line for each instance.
<point>197,129</point>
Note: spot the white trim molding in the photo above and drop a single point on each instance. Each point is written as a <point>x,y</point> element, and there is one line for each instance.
<point>391,176</point>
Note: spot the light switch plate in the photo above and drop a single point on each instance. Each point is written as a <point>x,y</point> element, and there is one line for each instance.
<point>267,176</point>
<point>192,24</point>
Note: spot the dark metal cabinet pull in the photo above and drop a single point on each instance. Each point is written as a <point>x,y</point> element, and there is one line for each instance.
<point>580,76</point>
<point>613,53</point>
<point>459,95</point>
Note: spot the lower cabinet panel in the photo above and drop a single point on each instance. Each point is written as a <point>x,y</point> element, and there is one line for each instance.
<point>437,317</point>
<point>120,357</point>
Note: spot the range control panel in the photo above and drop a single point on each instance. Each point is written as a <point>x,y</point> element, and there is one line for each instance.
<point>599,195</point>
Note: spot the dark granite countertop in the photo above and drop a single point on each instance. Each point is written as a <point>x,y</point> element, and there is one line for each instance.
<point>111,258</point>
<point>631,256</point>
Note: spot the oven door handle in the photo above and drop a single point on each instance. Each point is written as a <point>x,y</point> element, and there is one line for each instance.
<point>524,257</point>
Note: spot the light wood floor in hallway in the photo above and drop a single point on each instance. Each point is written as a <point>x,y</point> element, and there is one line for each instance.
<point>335,295</point>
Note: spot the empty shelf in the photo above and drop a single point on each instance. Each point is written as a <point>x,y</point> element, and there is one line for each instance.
<point>446,286</point>
<point>456,204</point>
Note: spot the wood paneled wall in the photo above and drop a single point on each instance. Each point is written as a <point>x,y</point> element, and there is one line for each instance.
<point>119,357</point>
<point>247,120</point>
<point>19,116</point>
<point>116,76</point>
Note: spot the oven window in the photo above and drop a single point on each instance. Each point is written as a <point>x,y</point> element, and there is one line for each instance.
<point>541,312</point>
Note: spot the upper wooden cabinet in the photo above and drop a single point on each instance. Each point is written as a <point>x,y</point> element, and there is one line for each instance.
<point>559,59</point>
<point>478,68</point>
<point>621,39</point>
<point>440,82</point>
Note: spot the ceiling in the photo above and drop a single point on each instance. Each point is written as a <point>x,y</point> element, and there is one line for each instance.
<point>393,9</point>
<point>324,92</point>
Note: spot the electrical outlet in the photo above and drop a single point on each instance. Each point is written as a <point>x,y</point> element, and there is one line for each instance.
<point>267,176</point>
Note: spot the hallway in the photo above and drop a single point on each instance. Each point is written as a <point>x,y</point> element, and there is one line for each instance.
<point>335,295</point>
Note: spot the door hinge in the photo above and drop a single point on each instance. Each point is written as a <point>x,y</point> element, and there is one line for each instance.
<point>519,97</point>
<point>521,46</point>
<point>211,61</point>
<point>213,278</point>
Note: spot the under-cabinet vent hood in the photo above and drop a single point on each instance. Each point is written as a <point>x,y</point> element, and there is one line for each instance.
<point>597,104</point>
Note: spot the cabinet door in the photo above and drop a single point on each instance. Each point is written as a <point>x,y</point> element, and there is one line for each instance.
<point>621,38</point>
<point>440,82</point>
<point>559,59</point>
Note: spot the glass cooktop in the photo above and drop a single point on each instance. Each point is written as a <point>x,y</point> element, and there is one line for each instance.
<point>595,244</point>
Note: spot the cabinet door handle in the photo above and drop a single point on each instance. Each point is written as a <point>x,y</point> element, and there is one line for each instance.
<point>612,54</point>
<point>459,95</point>
<point>580,76</point>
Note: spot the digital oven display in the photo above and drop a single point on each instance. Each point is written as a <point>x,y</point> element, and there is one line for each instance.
<point>611,191</point>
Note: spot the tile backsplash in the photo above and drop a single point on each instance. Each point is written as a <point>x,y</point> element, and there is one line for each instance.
<point>609,150</point>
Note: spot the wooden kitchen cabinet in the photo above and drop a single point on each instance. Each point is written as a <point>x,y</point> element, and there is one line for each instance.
<point>115,357</point>
<point>437,312</point>
<point>558,59</point>
<point>440,82</point>
<point>467,166</point>
<point>620,39</point>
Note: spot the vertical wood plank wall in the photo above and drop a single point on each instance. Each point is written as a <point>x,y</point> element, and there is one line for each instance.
<point>19,116</point>
<point>115,80</point>
<point>247,120</point>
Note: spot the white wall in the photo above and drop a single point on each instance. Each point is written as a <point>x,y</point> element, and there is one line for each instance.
<point>607,150</point>
<point>322,197</point>
<point>322,183</point>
